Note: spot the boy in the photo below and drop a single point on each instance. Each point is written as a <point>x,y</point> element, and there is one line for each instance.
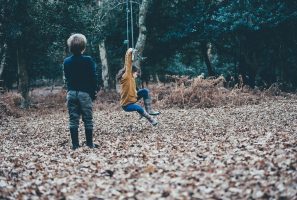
<point>81,81</point>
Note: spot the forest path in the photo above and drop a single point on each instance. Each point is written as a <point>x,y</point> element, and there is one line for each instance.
<point>226,152</point>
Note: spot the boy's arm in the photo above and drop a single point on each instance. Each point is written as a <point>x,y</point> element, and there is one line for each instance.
<point>95,77</point>
<point>65,74</point>
<point>94,80</point>
<point>128,61</point>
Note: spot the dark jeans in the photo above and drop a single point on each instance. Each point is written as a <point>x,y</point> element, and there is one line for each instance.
<point>79,104</point>
<point>142,93</point>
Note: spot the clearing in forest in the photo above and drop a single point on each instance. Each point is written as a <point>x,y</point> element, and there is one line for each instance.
<point>228,152</point>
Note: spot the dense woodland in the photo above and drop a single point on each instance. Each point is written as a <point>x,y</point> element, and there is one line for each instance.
<point>254,39</point>
<point>222,73</point>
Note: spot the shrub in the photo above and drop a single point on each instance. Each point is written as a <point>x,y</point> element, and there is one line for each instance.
<point>205,93</point>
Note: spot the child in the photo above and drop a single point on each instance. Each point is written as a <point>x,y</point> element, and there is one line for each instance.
<point>129,95</point>
<point>81,80</point>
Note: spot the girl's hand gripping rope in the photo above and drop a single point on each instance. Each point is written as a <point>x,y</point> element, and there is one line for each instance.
<point>136,56</point>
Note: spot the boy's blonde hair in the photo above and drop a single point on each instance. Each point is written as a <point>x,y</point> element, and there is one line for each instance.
<point>77,43</point>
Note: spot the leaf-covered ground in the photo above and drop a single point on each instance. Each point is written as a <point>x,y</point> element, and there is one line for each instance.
<point>247,152</point>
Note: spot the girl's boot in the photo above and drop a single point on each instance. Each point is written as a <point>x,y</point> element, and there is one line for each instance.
<point>150,118</point>
<point>148,107</point>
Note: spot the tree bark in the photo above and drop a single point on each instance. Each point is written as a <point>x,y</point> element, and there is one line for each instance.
<point>105,72</point>
<point>252,62</point>
<point>23,77</point>
<point>205,55</point>
<point>99,2</point>
<point>3,60</point>
<point>142,31</point>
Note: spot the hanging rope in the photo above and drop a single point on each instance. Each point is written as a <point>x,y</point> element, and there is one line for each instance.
<point>131,24</point>
<point>132,31</point>
<point>127,41</point>
<point>127,19</point>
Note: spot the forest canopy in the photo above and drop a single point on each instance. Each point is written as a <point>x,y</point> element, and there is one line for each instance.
<point>255,39</point>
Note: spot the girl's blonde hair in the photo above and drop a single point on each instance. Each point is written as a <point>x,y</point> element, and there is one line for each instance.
<point>77,43</point>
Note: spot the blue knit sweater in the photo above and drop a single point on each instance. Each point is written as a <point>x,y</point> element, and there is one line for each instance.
<point>80,74</point>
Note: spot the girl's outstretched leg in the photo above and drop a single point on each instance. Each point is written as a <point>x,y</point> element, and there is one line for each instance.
<point>152,120</point>
<point>144,93</point>
<point>148,107</point>
<point>141,111</point>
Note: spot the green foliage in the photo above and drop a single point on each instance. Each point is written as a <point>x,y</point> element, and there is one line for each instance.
<point>256,34</point>
<point>254,38</point>
<point>248,37</point>
<point>175,66</point>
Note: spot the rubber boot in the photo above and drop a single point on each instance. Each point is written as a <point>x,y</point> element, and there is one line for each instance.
<point>148,107</point>
<point>74,138</point>
<point>89,138</point>
<point>150,118</point>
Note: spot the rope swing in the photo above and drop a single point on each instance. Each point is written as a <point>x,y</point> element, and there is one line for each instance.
<point>131,24</point>
<point>131,30</point>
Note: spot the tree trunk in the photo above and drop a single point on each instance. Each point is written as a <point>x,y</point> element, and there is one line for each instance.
<point>205,55</point>
<point>99,2</point>
<point>157,79</point>
<point>103,57</point>
<point>23,77</point>
<point>142,31</point>
<point>252,62</point>
<point>3,60</point>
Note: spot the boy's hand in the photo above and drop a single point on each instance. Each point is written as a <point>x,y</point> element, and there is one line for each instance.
<point>93,96</point>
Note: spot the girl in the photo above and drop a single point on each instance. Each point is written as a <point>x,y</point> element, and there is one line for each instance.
<point>129,95</point>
